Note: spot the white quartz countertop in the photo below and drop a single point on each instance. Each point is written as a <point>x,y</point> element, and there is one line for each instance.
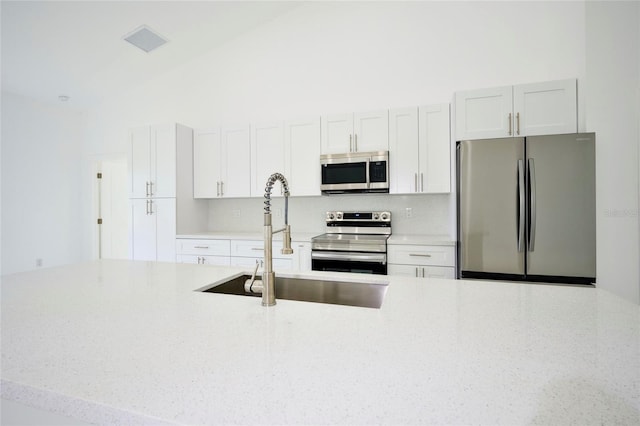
<point>124,342</point>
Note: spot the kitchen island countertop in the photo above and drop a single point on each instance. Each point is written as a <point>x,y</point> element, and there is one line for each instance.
<point>114,342</point>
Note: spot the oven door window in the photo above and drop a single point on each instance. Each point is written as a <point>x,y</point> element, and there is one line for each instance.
<point>333,174</point>
<point>355,266</point>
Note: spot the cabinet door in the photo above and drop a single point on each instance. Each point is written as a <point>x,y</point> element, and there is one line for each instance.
<point>337,134</point>
<point>267,156</point>
<point>163,161</point>
<point>203,260</point>
<point>438,272</point>
<point>484,113</point>
<point>435,149</point>
<point>139,161</point>
<point>421,255</point>
<point>302,156</point>
<point>404,270</point>
<point>546,108</point>
<point>236,164</point>
<point>164,212</point>
<point>371,131</point>
<point>206,163</point>
<point>403,150</point>
<point>143,231</point>
<point>302,253</point>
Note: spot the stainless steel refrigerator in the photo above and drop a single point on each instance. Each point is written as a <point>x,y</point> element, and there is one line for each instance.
<point>526,208</point>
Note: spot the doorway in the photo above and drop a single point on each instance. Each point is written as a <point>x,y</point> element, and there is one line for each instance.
<point>111,209</point>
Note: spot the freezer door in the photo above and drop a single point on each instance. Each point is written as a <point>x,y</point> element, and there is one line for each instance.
<point>561,175</point>
<point>491,203</point>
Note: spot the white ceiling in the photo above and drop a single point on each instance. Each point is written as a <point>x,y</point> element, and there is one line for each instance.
<point>76,48</point>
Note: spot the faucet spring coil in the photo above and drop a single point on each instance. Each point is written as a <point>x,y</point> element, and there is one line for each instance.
<point>267,190</point>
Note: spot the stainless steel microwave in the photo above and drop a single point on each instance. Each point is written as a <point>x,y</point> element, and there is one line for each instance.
<point>354,172</point>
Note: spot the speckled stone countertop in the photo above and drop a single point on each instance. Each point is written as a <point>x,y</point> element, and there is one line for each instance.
<point>115,342</point>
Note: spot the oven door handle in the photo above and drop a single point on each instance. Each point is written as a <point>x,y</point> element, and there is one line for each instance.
<point>353,257</point>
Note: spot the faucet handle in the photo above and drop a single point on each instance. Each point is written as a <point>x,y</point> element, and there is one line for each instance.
<point>286,241</point>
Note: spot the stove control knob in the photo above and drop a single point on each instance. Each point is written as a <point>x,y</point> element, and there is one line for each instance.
<point>384,216</point>
<point>330,216</point>
<point>376,216</point>
<point>338,215</point>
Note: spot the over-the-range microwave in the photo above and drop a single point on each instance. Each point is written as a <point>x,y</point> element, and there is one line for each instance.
<point>354,172</point>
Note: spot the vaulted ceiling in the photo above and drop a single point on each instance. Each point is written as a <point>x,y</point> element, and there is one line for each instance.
<point>77,48</point>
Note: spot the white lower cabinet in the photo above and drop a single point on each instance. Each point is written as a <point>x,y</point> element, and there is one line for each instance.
<point>422,261</point>
<point>203,251</point>
<point>153,229</point>
<point>247,252</point>
<point>244,253</point>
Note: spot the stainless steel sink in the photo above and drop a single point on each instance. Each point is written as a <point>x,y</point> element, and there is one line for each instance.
<point>367,295</point>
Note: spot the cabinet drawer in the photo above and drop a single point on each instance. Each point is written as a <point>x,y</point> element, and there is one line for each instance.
<point>203,247</point>
<point>421,255</point>
<point>255,248</point>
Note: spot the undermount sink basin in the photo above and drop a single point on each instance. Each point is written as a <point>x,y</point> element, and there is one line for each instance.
<point>367,295</point>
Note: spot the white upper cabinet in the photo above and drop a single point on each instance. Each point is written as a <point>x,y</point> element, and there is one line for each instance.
<point>522,110</point>
<point>434,148</point>
<point>206,163</point>
<point>236,155</point>
<point>302,156</point>
<point>358,132</point>
<point>419,150</point>
<point>267,155</point>
<point>221,162</point>
<point>545,108</point>
<point>152,161</point>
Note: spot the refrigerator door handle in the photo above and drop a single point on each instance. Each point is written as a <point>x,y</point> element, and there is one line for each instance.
<point>520,217</point>
<point>532,204</point>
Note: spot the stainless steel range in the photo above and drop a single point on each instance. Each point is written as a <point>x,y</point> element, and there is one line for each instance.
<point>354,242</point>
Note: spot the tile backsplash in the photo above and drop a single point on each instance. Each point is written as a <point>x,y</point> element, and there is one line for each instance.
<point>429,214</point>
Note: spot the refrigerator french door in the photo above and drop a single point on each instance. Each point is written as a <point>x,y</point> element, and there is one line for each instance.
<point>526,208</point>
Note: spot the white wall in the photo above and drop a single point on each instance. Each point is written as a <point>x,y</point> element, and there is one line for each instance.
<point>613,110</point>
<point>41,191</point>
<point>326,57</point>
<point>342,56</point>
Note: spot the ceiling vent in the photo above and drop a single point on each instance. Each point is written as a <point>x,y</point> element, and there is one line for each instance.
<point>145,38</point>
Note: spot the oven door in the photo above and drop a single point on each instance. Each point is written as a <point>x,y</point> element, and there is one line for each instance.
<point>361,263</point>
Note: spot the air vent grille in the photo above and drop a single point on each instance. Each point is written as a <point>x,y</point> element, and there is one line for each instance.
<point>145,39</point>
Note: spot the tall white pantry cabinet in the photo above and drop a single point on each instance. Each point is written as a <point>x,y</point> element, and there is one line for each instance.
<point>154,189</point>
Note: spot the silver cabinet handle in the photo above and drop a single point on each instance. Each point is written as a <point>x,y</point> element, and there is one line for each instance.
<point>510,131</point>
<point>222,188</point>
<point>419,255</point>
<point>147,189</point>
<point>151,189</point>
<point>520,216</point>
<point>421,182</point>
<point>201,247</point>
<point>350,143</point>
<point>423,273</point>
<point>147,207</point>
<point>218,189</point>
<point>416,272</point>
<point>356,142</point>
<point>150,207</point>
<point>517,123</point>
<point>532,205</point>
<point>415,181</point>
<point>257,248</point>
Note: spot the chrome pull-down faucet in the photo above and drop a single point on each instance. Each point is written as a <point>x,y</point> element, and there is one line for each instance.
<point>268,276</point>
